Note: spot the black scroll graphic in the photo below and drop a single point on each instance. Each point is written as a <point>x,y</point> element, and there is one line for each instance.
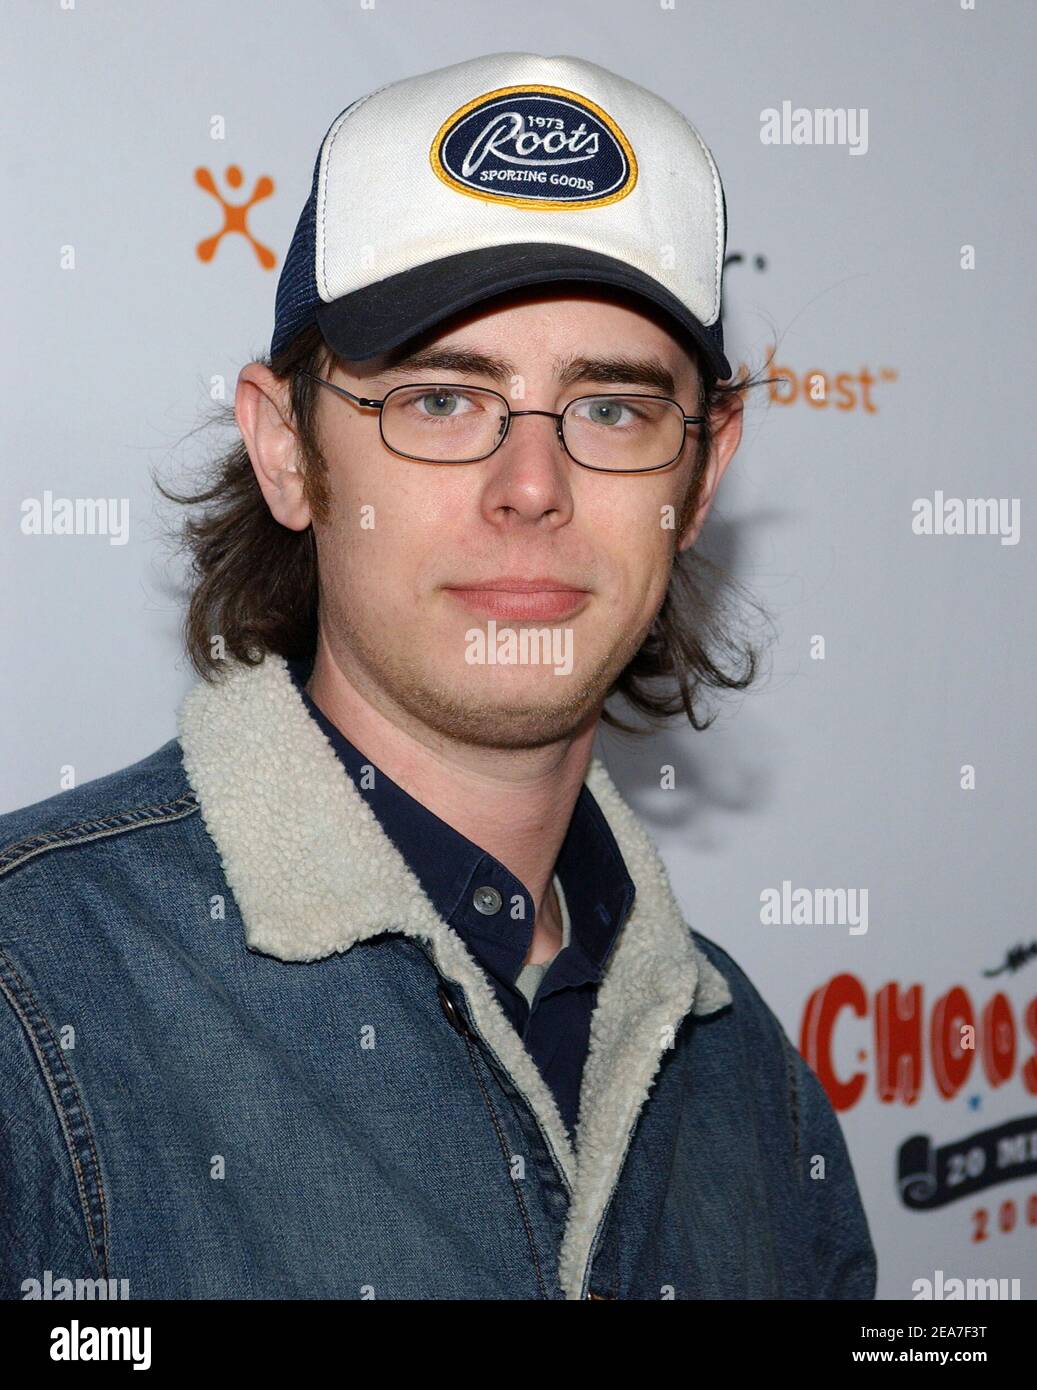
<point>928,1177</point>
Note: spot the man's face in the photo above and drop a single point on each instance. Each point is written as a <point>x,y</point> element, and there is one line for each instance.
<point>407,544</point>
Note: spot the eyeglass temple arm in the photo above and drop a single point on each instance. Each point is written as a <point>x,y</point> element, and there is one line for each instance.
<point>341,390</point>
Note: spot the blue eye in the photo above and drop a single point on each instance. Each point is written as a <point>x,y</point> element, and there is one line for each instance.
<point>441,404</point>
<point>607,411</point>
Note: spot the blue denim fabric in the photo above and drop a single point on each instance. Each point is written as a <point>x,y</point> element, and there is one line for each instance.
<point>204,1121</point>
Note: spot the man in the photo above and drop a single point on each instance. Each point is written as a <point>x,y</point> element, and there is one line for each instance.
<point>370,985</point>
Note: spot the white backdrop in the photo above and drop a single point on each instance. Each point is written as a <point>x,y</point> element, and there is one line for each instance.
<point>903,266</point>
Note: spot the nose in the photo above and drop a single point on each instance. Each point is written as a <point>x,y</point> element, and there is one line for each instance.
<point>530,476</point>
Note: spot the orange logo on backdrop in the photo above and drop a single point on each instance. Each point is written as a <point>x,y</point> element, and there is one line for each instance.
<point>235,214</point>
<point>825,390</point>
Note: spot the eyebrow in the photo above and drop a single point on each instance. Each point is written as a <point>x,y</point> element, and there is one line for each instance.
<point>616,371</point>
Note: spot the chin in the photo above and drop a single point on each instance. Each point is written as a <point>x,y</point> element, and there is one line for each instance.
<point>539,714</point>
<point>505,727</point>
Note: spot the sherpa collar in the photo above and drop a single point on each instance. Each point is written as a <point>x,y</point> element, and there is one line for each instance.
<point>313,872</point>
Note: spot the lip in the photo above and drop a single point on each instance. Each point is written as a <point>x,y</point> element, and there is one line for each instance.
<point>540,597</point>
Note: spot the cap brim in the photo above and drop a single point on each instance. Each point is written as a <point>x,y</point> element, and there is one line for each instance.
<point>386,314</point>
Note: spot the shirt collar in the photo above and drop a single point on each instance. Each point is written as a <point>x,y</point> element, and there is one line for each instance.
<point>599,891</point>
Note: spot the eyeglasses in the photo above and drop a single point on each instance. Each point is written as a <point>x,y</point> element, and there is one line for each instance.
<point>615,433</point>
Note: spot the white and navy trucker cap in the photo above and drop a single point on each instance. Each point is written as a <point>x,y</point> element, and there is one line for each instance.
<point>442,190</point>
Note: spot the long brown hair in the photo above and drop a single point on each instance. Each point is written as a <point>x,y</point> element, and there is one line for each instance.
<point>254,581</point>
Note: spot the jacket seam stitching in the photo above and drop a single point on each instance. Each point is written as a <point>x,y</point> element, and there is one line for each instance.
<point>793,1092</point>
<point>81,832</point>
<point>98,1243</point>
<point>504,1151</point>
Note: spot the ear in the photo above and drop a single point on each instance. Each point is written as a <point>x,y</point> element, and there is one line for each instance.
<point>727,434</point>
<point>262,408</point>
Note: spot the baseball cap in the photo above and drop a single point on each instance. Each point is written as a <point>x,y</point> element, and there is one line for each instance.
<point>436,192</point>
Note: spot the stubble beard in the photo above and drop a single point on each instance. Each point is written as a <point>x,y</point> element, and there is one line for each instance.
<point>474,717</point>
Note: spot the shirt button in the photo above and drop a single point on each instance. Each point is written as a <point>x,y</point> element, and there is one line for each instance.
<point>487,900</point>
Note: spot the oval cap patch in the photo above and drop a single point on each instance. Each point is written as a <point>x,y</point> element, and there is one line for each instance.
<point>539,147</point>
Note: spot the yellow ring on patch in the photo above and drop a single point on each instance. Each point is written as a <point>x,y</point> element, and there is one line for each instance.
<point>537,204</point>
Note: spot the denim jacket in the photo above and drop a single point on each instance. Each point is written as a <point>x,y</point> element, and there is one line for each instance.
<point>242,1057</point>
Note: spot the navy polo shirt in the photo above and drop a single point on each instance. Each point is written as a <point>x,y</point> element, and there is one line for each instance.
<point>453,870</point>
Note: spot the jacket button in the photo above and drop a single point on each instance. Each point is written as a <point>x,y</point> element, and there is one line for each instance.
<point>487,900</point>
<point>450,1009</point>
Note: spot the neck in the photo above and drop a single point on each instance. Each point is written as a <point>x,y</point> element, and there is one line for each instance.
<point>514,803</point>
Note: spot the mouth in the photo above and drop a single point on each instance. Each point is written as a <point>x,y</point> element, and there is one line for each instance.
<point>521,598</point>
